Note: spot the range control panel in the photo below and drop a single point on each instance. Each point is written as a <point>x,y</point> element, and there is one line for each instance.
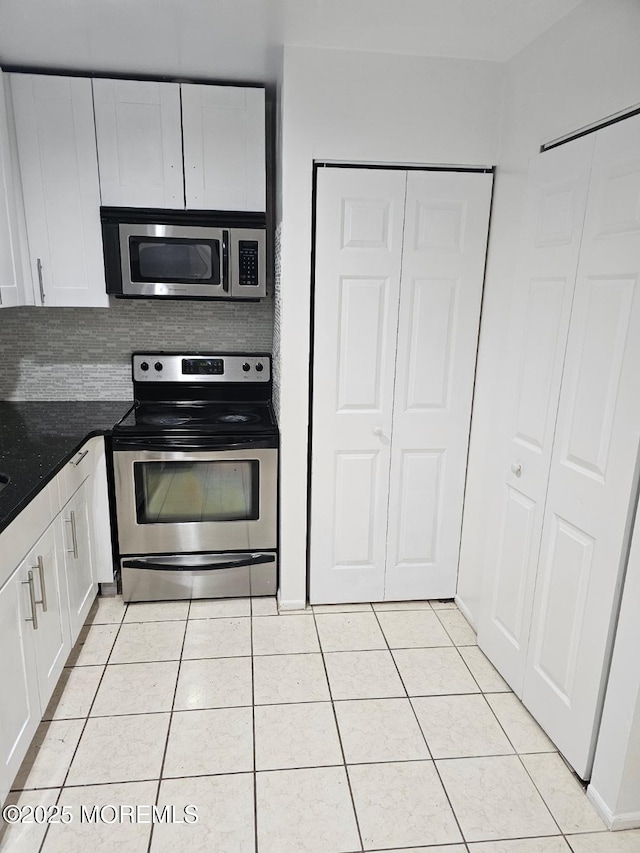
<point>219,367</point>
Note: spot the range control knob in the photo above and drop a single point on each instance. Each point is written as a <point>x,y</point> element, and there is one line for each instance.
<point>144,365</point>
<point>259,367</point>
<point>158,365</point>
<point>246,366</point>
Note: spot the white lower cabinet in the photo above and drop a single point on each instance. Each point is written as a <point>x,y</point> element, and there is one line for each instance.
<point>45,600</point>
<point>81,586</point>
<point>19,702</point>
<point>35,641</point>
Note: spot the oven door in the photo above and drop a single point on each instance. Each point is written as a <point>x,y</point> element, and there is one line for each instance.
<point>177,501</point>
<point>174,260</point>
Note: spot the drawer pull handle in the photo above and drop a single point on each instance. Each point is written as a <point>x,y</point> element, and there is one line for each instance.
<point>76,462</point>
<point>32,597</point>
<point>43,587</point>
<point>74,535</point>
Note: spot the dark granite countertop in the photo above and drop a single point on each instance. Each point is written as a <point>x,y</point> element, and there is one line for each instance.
<point>37,438</point>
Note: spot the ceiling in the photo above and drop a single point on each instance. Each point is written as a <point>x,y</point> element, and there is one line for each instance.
<point>239,39</point>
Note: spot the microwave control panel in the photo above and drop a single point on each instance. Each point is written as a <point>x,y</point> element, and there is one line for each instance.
<point>248,263</point>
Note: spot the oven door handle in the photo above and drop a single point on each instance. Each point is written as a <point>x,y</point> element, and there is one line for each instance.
<point>157,565</point>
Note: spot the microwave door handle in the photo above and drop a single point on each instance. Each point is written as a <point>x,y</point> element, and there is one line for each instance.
<point>225,260</point>
<point>157,565</point>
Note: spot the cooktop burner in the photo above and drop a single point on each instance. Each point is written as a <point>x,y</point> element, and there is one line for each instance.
<point>163,420</point>
<point>237,418</point>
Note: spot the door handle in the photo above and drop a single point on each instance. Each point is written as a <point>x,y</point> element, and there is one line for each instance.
<point>74,535</point>
<point>32,597</point>
<point>517,469</point>
<point>43,587</point>
<point>225,261</point>
<point>378,431</point>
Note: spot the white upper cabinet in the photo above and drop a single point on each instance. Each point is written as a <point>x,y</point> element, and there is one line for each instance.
<point>139,143</point>
<point>158,142</point>
<point>10,277</point>
<point>59,168</point>
<point>224,147</point>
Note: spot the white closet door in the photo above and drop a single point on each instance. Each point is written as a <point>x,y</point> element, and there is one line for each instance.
<point>224,147</point>
<point>139,135</point>
<point>359,224</point>
<point>592,484</point>
<point>527,392</point>
<point>445,240</point>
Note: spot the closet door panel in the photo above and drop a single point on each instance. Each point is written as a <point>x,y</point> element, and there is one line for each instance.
<point>446,226</point>
<point>527,393</point>
<point>359,223</point>
<point>592,485</point>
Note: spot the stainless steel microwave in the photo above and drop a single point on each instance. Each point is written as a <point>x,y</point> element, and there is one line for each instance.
<point>181,254</point>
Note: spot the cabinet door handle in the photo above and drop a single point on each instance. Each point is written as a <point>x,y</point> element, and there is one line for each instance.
<point>43,586</point>
<point>76,462</point>
<point>32,596</point>
<point>39,265</point>
<point>74,535</point>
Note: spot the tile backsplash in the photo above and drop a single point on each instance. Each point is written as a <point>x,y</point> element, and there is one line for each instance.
<point>84,353</point>
<point>276,319</point>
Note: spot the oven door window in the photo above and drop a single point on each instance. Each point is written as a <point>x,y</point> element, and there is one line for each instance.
<point>174,260</point>
<point>190,491</point>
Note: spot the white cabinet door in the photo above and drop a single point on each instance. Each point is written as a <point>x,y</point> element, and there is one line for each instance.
<point>11,287</point>
<point>20,703</point>
<point>98,498</point>
<point>138,131</point>
<point>592,486</point>
<point>224,147</point>
<point>359,216</point>
<point>59,169</point>
<point>52,638</point>
<point>538,322</point>
<point>81,585</point>
<point>445,238</point>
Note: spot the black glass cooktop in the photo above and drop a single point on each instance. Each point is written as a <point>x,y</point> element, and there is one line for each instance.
<point>211,417</point>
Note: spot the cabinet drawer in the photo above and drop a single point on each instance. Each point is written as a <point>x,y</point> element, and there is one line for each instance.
<point>19,536</point>
<point>76,471</point>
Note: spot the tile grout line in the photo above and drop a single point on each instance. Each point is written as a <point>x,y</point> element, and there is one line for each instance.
<point>446,793</point>
<point>86,719</point>
<point>166,743</point>
<point>515,751</point>
<point>335,718</point>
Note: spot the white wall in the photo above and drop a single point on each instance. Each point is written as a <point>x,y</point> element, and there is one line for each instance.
<point>356,107</point>
<point>583,69</point>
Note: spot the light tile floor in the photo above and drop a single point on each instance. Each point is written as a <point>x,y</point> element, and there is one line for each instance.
<point>339,729</point>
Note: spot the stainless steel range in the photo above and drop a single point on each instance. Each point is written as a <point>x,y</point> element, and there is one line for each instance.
<point>196,478</point>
